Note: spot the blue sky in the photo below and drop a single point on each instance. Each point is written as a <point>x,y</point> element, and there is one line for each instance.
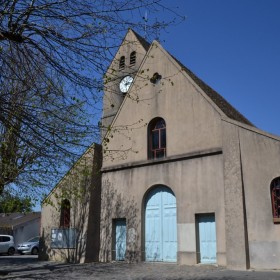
<point>233,46</point>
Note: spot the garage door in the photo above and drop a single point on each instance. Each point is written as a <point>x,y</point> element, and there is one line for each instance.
<point>161,225</point>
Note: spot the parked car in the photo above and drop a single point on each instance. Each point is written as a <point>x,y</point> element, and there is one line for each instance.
<point>29,247</point>
<point>7,245</point>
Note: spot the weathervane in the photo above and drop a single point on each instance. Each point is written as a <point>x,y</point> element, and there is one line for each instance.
<point>145,17</point>
<point>156,27</point>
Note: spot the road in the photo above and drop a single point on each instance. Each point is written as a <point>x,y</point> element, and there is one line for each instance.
<point>28,267</point>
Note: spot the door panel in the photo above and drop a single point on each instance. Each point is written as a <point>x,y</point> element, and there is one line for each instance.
<point>161,226</point>
<point>169,227</point>
<point>153,230</point>
<point>120,239</point>
<point>207,238</point>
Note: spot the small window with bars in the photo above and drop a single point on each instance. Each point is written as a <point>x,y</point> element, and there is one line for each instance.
<point>132,58</point>
<point>122,62</point>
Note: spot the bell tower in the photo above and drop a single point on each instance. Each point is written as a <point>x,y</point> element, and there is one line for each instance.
<point>120,75</point>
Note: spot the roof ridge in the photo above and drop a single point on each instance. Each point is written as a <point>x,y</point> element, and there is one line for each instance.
<point>15,219</point>
<point>218,99</point>
<point>146,45</point>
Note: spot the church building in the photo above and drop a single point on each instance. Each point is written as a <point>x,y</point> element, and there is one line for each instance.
<point>185,178</point>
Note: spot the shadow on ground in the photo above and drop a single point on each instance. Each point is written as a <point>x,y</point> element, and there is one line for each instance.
<point>22,266</point>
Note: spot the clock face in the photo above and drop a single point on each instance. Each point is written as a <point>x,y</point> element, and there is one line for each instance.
<point>125,84</point>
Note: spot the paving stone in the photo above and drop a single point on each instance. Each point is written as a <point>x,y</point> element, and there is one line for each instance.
<point>28,267</point>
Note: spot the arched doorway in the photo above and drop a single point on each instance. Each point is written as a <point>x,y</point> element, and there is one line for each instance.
<point>160,225</point>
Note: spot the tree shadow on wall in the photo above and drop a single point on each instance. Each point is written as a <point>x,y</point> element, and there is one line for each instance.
<point>116,206</point>
<point>66,244</point>
<point>79,240</point>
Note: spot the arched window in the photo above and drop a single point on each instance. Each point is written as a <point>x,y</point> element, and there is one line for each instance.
<point>157,139</point>
<point>132,58</point>
<point>65,214</point>
<point>122,62</point>
<point>275,199</point>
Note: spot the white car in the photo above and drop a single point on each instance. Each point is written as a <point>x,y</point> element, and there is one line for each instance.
<point>7,245</point>
<point>29,247</point>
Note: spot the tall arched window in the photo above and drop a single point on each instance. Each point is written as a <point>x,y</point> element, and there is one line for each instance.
<point>275,199</point>
<point>65,214</point>
<point>157,139</point>
<point>122,62</point>
<point>132,58</point>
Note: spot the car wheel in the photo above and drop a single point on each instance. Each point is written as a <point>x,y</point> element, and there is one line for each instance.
<point>35,251</point>
<point>11,251</point>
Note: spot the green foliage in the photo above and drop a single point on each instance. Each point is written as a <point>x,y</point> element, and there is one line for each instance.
<point>13,203</point>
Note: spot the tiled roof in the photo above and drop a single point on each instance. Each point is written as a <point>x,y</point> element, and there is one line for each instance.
<point>228,109</point>
<point>15,219</point>
<point>144,43</point>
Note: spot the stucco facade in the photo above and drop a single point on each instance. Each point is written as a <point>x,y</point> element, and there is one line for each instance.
<point>185,177</point>
<point>216,164</point>
<point>78,240</point>
<point>260,165</point>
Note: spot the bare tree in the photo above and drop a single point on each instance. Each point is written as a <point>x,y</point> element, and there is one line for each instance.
<point>39,126</point>
<point>52,57</point>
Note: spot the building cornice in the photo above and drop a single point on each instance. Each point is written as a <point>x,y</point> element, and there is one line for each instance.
<point>144,163</point>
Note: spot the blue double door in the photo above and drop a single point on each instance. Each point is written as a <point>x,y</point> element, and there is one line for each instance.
<point>161,225</point>
<point>207,238</point>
